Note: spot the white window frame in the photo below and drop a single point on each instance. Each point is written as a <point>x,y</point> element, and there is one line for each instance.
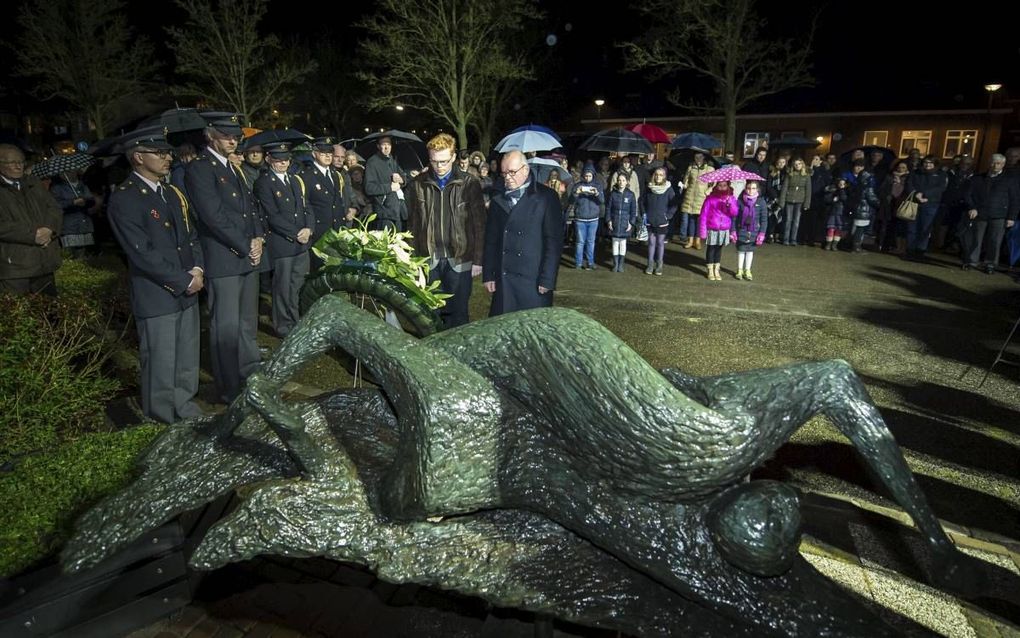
<point>959,135</point>
<point>758,137</point>
<point>884,135</point>
<point>915,136</point>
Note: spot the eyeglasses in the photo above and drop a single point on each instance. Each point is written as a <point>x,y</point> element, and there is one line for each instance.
<point>441,162</point>
<point>13,162</point>
<point>512,173</point>
<point>159,154</point>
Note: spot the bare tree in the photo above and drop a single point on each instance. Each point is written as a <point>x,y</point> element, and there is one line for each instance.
<point>83,51</point>
<point>225,59</point>
<point>726,41</point>
<point>443,56</point>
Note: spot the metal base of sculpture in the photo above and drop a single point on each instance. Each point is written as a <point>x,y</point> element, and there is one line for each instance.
<point>536,461</point>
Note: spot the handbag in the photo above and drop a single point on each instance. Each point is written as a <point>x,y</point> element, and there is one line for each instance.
<point>907,210</point>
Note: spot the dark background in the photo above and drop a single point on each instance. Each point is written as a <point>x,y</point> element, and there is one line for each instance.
<point>867,56</point>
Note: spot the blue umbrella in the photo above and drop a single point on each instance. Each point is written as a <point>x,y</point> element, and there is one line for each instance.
<point>700,140</point>
<point>539,128</point>
<point>528,141</point>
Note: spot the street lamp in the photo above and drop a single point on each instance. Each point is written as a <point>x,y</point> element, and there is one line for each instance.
<point>991,88</point>
<point>598,107</point>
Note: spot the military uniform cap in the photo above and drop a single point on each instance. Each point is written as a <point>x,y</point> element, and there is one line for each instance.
<point>224,122</point>
<point>151,137</point>
<point>277,150</point>
<point>325,143</point>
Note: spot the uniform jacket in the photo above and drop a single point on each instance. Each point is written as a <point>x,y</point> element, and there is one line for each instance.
<point>286,212</point>
<point>328,201</point>
<point>225,214</point>
<point>161,245</point>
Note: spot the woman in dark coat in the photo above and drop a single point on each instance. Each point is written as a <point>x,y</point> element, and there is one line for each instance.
<point>660,204</point>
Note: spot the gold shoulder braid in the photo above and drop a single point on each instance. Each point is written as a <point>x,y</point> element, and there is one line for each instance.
<point>184,206</point>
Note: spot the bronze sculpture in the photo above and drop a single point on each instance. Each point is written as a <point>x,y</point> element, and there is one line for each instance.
<point>532,459</point>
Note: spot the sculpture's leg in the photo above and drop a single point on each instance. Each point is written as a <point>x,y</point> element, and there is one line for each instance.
<point>782,399</point>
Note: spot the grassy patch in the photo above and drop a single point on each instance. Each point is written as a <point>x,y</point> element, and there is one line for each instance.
<point>41,498</point>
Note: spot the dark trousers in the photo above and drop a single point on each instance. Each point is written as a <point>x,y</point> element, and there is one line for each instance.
<point>233,323</point>
<point>168,350</point>
<point>458,284</point>
<point>919,230</point>
<point>288,277</point>
<point>43,284</point>
<point>982,233</point>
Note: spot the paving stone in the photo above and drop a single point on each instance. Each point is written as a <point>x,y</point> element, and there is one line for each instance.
<point>205,629</point>
<point>983,626</point>
<point>849,576</point>
<point>926,606</point>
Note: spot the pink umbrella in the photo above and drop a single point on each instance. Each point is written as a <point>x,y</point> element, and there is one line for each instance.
<point>650,132</point>
<point>730,174</point>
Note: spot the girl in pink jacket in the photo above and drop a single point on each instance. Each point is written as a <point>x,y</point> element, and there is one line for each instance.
<point>714,225</point>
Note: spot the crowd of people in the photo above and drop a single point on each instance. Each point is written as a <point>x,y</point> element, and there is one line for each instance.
<point>233,219</point>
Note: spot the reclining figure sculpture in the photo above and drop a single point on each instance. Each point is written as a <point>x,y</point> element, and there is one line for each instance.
<point>532,459</point>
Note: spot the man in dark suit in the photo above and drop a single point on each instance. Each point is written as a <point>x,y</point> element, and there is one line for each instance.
<point>30,223</point>
<point>523,241</point>
<point>282,198</point>
<point>231,234</point>
<point>327,193</point>
<point>152,223</point>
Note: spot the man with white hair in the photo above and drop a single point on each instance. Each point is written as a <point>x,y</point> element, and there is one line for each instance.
<point>523,240</point>
<point>993,201</point>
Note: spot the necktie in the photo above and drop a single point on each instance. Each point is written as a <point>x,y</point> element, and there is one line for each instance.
<point>329,174</point>
<point>286,179</point>
<point>159,191</point>
<point>17,185</point>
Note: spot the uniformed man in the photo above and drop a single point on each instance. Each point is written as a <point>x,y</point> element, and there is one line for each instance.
<point>153,224</point>
<point>232,238</point>
<point>327,193</point>
<point>285,209</point>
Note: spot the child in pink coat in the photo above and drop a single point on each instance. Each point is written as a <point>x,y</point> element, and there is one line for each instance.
<point>714,225</point>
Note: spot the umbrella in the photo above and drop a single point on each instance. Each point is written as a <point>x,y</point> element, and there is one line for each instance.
<point>700,140</point>
<point>542,167</point>
<point>176,121</point>
<point>730,174</point>
<point>528,141</point>
<point>650,132</point>
<point>276,135</point>
<point>617,140</point>
<point>888,155</point>
<point>796,142</point>
<point>538,128</point>
<point>61,164</point>
<point>408,149</point>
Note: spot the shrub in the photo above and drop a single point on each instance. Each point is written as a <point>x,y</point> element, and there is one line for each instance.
<point>41,498</point>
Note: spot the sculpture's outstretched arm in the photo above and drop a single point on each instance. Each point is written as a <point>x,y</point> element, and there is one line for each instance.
<point>782,399</point>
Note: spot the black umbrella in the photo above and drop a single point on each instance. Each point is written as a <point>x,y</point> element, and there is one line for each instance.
<point>617,140</point>
<point>795,142</point>
<point>276,135</point>
<point>888,155</point>
<point>61,164</point>
<point>408,149</point>
<point>177,121</point>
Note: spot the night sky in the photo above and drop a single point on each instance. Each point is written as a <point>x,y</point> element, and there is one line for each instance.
<point>868,56</point>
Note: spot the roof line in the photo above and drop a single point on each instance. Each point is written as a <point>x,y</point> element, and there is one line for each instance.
<point>747,116</point>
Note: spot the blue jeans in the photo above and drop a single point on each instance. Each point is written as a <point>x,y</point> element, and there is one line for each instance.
<point>586,231</point>
<point>688,226</point>
<point>919,230</point>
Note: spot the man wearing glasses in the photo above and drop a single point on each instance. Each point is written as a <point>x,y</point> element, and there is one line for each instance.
<point>446,215</point>
<point>523,240</point>
<point>232,237</point>
<point>152,222</point>
<point>30,223</point>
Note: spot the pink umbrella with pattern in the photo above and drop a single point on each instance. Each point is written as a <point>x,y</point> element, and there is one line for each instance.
<point>730,174</point>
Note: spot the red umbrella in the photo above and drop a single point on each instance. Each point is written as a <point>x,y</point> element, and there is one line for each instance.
<point>730,174</point>
<point>650,132</point>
